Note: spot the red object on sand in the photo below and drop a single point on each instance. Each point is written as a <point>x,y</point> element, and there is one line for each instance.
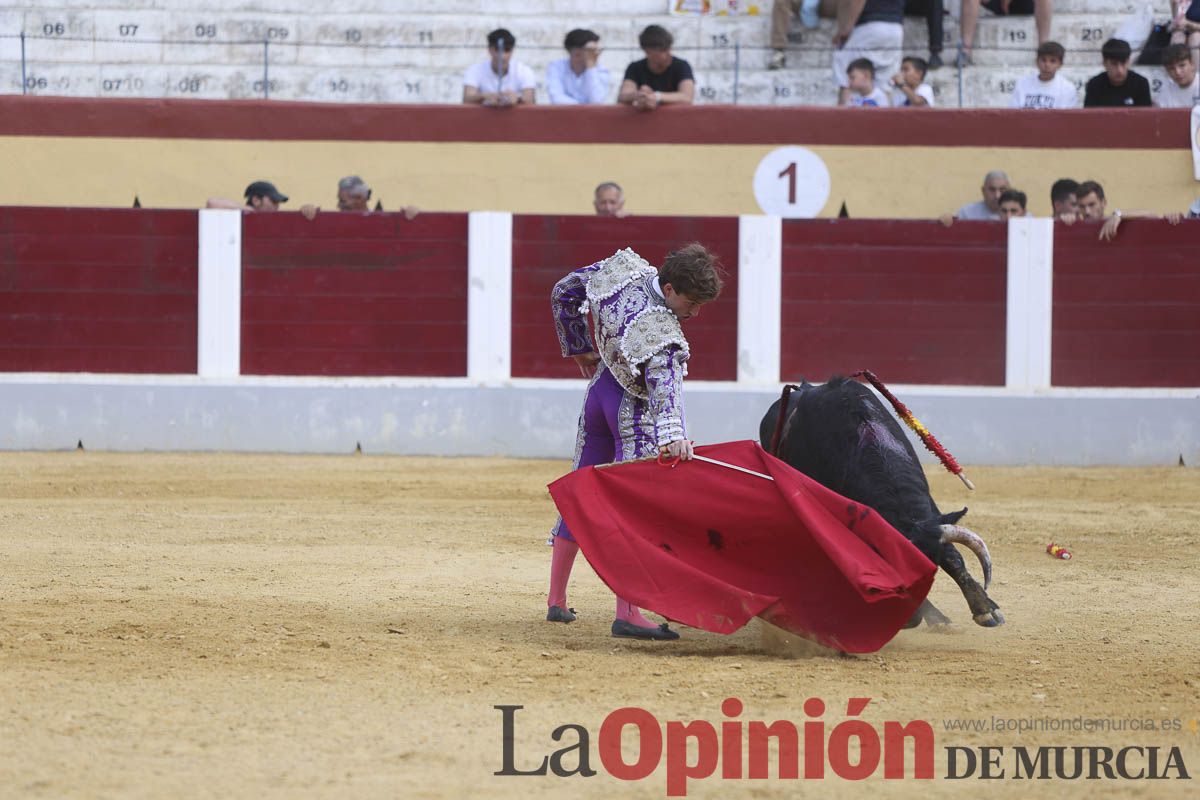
<point>1058,551</point>
<point>711,547</point>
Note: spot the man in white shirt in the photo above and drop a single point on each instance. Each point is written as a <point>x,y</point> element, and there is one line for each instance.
<point>1045,89</point>
<point>579,78</point>
<point>499,82</point>
<point>1184,87</point>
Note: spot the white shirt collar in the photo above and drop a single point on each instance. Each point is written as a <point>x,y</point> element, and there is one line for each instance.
<point>658,288</point>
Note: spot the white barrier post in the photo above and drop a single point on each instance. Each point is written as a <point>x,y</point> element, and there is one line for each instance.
<point>1030,303</point>
<point>489,296</point>
<point>760,277</point>
<point>219,294</point>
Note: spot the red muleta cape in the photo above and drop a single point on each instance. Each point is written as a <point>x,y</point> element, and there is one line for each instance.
<point>711,547</point>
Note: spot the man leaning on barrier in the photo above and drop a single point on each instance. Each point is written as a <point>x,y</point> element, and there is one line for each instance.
<point>353,194</point>
<point>500,81</point>
<point>260,196</point>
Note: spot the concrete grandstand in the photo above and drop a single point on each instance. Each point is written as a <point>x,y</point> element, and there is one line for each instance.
<point>367,52</point>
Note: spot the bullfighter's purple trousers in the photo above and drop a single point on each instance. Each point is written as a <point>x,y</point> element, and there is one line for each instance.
<point>614,425</point>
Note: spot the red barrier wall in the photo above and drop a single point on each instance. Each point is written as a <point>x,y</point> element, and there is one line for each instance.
<point>354,294</point>
<point>275,120</point>
<point>547,248</point>
<point>1127,312</point>
<point>912,301</point>
<point>90,290</point>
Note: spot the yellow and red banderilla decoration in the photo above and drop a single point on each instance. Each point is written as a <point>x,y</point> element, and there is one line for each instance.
<point>1058,551</point>
<point>928,439</point>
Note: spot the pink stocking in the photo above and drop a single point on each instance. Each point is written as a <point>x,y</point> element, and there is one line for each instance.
<point>560,570</point>
<point>632,614</point>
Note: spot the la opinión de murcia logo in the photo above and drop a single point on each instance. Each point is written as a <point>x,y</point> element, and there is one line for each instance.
<point>738,749</point>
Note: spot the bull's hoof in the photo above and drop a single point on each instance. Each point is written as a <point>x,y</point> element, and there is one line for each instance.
<point>992,619</point>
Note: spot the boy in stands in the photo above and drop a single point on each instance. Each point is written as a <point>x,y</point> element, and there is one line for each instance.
<point>1183,90</point>
<point>1045,88</point>
<point>910,84</point>
<point>861,85</point>
<point>1118,86</point>
<point>1012,204</point>
<point>634,402</point>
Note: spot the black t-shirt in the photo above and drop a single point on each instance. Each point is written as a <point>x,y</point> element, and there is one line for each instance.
<point>667,81</point>
<point>882,11</point>
<point>1135,91</point>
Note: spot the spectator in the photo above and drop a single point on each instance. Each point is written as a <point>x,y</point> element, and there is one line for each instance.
<point>579,78</point>
<point>870,29</point>
<point>1044,88</point>
<point>1042,11</point>
<point>932,11</point>
<point>1118,85</point>
<point>1092,207</point>
<point>260,196</point>
<point>1194,209</point>
<point>995,184</point>
<point>609,200</point>
<point>1183,90</point>
<point>353,194</point>
<point>860,76</point>
<point>1012,204</point>
<point>1091,201</point>
<point>1062,199</point>
<point>782,12</point>
<point>910,82</point>
<point>1185,25</point>
<point>660,78</point>
<point>499,82</point>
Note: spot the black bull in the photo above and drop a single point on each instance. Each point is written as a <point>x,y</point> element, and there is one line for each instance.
<point>842,436</point>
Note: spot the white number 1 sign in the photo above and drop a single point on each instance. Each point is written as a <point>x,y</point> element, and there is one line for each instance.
<point>791,182</point>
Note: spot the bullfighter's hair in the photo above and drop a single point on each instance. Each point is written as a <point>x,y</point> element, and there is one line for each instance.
<point>693,271</point>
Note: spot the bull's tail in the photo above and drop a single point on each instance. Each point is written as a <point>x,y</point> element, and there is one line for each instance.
<point>781,418</point>
<point>928,439</point>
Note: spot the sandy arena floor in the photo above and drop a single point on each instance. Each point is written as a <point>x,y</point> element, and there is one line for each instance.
<point>277,627</point>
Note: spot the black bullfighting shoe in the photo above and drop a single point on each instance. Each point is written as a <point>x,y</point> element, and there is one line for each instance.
<point>627,630</point>
<point>560,614</point>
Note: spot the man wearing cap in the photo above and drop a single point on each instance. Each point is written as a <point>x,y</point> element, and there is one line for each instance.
<point>261,196</point>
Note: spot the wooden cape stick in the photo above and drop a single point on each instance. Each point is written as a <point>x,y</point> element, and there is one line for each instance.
<point>695,457</point>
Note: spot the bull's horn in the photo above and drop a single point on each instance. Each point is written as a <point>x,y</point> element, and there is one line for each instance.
<point>957,534</point>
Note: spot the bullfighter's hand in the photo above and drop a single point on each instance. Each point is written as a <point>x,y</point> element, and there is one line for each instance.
<point>587,363</point>
<point>680,448</point>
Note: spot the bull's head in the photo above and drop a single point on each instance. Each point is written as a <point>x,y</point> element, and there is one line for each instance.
<point>936,538</point>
